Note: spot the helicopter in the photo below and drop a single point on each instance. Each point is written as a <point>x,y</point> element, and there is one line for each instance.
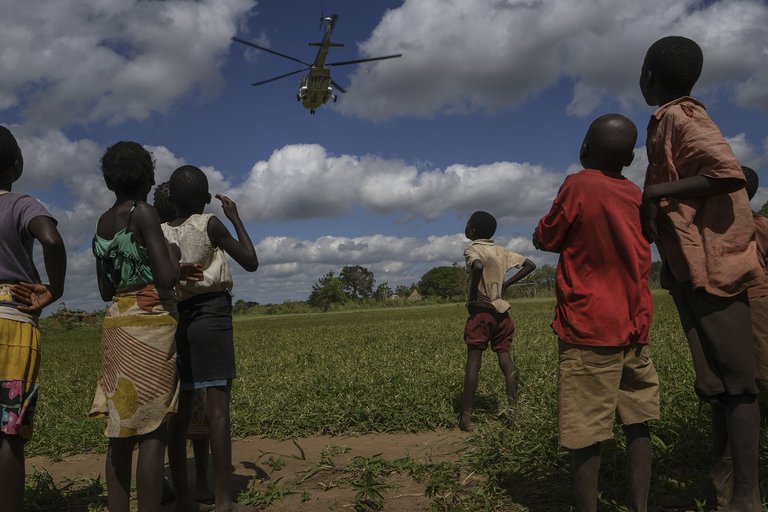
<point>317,86</point>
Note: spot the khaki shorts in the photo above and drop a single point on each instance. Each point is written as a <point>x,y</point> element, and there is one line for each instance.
<point>596,384</point>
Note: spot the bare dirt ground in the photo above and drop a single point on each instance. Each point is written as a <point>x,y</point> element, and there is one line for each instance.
<point>298,467</point>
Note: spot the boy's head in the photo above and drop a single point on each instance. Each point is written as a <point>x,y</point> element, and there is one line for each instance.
<point>162,203</point>
<point>481,225</point>
<point>128,168</point>
<point>609,143</point>
<point>11,161</point>
<point>670,69</point>
<point>188,188</point>
<point>752,181</point>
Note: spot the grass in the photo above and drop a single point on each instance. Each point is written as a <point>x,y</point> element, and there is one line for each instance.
<point>395,370</point>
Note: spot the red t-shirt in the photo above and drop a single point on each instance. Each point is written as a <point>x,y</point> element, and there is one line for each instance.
<point>602,276</point>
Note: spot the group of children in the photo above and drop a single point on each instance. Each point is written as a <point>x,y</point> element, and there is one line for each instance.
<point>167,334</point>
<point>695,207</point>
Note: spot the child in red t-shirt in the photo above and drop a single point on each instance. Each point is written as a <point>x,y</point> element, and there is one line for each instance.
<point>603,311</point>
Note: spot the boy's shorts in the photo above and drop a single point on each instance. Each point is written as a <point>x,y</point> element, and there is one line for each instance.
<point>758,309</point>
<point>488,325</point>
<point>719,332</point>
<point>596,384</point>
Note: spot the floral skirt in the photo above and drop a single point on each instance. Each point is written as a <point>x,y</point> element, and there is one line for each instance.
<point>139,385</point>
<point>19,365</point>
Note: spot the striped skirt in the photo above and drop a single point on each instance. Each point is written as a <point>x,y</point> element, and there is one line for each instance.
<point>139,385</point>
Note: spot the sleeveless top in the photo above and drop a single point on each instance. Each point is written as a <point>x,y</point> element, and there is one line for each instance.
<point>192,238</point>
<point>123,262</point>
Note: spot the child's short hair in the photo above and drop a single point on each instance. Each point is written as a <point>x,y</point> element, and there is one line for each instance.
<point>188,187</point>
<point>484,224</point>
<point>676,62</point>
<point>752,181</point>
<point>162,203</point>
<point>127,167</point>
<point>9,149</point>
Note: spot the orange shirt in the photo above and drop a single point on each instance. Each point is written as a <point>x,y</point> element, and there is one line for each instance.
<point>708,241</point>
<point>761,237</point>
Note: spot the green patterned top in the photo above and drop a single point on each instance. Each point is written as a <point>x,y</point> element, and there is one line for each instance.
<point>123,262</point>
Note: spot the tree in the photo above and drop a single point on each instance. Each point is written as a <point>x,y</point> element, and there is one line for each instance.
<point>404,291</point>
<point>326,292</point>
<point>357,281</point>
<point>764,210</point>
<point>383,292</point>
<point>444,282</point>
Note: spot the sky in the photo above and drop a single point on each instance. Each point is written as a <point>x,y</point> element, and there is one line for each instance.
<point>486,109</point>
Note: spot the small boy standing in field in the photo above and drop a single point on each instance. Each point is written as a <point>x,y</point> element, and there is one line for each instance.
<point>489,319</point>
<point>696,210</point>
<point>22,297</point>
<point>604,311</point>
<point>204,338</point>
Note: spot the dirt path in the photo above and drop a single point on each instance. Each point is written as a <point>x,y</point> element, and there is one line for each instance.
<point>301,471</point>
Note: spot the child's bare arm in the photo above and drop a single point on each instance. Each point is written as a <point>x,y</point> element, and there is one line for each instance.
<point>164,263</point>
<point>686,188</point>
<point>241,249</point>
<point>527,268</point>
<point>37,296</point>
<point>475,273</point>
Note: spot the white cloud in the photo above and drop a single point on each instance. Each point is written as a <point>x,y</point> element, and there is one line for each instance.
<point>491,55</point>
<point>303,181</point>
<point>69,61</point>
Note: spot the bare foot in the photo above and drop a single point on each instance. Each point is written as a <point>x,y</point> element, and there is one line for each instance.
<point>237,507</point>
<point>465,423</point>
<point>203,495</point>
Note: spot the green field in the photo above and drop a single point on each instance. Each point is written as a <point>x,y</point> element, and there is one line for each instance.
<point>401,369</point>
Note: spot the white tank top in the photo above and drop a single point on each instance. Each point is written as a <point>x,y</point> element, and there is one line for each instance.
<point>192,238</point>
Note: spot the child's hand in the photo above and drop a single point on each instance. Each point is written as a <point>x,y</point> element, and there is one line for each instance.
<point>229,207</point>
<point>649,212</point>
<point>190,272</point>
<point>33,297</point>
<point>536,241</point>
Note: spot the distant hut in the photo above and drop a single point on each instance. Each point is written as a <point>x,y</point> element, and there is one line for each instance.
<point>415,296</point>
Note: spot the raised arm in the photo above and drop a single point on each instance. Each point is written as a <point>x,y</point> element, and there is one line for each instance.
<point>241,249</point>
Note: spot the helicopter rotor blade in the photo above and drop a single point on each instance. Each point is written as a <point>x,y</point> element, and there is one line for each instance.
<point>279,77</point>
<point>337,86</point>
<point>358,61</point>
<point>269,50</point>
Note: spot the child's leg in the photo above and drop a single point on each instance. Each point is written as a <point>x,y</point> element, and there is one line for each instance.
<point>177,451</point>
<point>721,471</point>
<point>118,473</point>
<point>149,470</point>
<point>12,471</point>
<point>217,407</point>
<point>742,416</point>
<point>474,360</point>
<point>509,370</point>
<point>202,492</point>
<point>585,466</point>
<point>640,451</point>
